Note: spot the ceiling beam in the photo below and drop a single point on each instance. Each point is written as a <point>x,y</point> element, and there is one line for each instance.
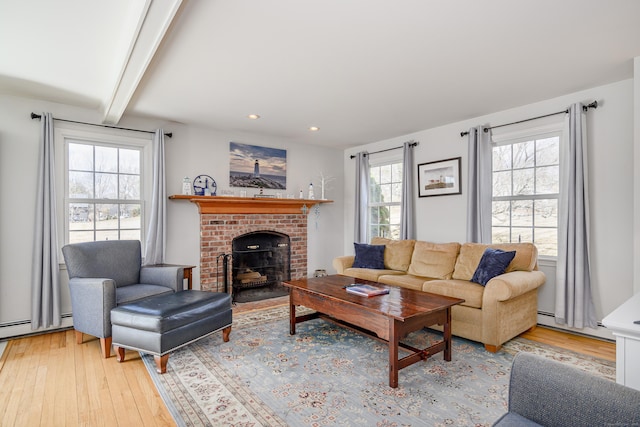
<point>153,24</point>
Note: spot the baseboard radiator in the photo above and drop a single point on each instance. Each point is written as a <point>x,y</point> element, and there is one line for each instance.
<point>22,328</point>
<point>548,320</point>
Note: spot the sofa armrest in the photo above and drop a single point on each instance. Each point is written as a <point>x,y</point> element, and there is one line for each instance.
<point>551,393</point>
<point>343,262</point>
<point>169,276</point>
<point>91,303</point>
<point>510,285</point>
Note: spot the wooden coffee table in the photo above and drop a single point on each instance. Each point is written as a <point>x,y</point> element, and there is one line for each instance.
<point>387,317</point>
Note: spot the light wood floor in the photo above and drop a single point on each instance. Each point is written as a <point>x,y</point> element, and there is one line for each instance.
<point>49,380</point>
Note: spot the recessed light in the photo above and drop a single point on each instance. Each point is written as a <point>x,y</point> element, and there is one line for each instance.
<point>253,116</point>
<point>314,128</point>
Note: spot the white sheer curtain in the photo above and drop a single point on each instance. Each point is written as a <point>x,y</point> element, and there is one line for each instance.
<point>362,197</point>
<point>574,304</point>
<point>407,210</point>
<point>156,233</point>
<point>45,286</point>
<point>479,193</point>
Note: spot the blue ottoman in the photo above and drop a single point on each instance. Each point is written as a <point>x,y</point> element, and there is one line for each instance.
<point>160,324</point>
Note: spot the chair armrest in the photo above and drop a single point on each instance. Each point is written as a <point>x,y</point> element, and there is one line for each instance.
<point>552,393</point>
<point>91,303</point>
<point>169,276</point>
<point>343,262</point>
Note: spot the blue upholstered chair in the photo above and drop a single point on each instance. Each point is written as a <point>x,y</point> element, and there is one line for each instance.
<point>544,392</point>
<point>105,274</point>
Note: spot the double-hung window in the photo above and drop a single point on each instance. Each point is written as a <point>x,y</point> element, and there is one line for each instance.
<point>385,197</point>
<point>104,187</point>
<point>526,191</point>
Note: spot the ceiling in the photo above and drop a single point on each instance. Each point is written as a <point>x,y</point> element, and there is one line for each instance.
<point>360,70</point>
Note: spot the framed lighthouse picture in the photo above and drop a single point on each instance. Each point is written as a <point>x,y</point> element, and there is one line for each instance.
<point>252,166</point>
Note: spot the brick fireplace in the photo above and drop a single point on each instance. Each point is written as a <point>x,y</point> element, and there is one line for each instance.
<point>224,218</point>
<point>217,231</point>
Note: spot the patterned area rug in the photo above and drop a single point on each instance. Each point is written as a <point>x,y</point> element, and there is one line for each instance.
<point>328,375</point>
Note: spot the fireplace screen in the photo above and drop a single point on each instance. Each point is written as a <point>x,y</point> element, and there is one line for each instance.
<point>261,262</point>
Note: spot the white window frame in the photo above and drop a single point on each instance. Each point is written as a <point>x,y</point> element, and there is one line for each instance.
<point>527,133</point>
<point>381,160</point>
<point>108,137</point>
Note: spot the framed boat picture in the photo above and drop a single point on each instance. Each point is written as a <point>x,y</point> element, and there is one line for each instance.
<point>439,178</point>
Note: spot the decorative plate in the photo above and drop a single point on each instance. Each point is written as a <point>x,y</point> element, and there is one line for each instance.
<point>202,182</point>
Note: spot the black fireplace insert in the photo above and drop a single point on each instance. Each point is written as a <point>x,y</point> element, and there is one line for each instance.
<point>261,261</point>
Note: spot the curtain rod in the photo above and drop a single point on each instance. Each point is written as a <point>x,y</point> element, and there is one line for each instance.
<point>413,144</point>
<point>38,116</point>
<point>594,104</point>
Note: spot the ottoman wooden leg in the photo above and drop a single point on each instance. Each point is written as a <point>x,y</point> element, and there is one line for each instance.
<point>161,363</point>
<point>225,333</point>
<point>119,353</point>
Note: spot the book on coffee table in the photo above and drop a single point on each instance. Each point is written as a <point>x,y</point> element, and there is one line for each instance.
<point>366,290</point>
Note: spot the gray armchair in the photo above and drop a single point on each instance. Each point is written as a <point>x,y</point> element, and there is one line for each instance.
<point>105,274</point>
<point>544,392</point>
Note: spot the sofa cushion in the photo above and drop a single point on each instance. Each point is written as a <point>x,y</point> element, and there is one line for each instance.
<point>470,254</point>
<point>369,273</point>
<point>471,292</point>
<point>403,280</point>
<point>397,253</point>
<point>434,260</point>
<point>369,256</point>
<point>493,263</point>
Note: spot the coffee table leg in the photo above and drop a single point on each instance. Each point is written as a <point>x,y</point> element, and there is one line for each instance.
<point>393,353</point>
<point>292,318</point>
<point>447,336</point>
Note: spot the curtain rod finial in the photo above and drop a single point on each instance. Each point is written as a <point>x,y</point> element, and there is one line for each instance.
<point>594,104</point>
<point>35,116</point>
<point>463,134</point>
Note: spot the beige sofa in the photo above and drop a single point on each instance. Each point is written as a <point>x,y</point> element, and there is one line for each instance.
<point>491,314</point>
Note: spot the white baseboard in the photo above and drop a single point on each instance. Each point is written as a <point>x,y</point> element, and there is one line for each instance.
<point>547,319</point>
<point>18,329</point>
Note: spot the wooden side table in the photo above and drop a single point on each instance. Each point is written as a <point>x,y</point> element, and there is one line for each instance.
<point>188,272</point>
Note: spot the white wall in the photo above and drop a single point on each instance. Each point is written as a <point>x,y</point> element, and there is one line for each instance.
<point>636,176</point>
<point>611,149</point>
<point>190,152</point>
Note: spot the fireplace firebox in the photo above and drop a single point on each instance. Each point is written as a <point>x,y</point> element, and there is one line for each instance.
<point>261,261</point>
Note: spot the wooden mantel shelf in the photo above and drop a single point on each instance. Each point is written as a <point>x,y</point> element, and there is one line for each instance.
<point>248,205</point>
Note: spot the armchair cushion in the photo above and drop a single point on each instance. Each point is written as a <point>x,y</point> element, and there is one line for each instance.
<point>127,294</point>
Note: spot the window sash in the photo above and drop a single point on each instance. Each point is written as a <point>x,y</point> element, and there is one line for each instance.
<point>537,233</point>
<point>394,178</point>
<point>71,133</point>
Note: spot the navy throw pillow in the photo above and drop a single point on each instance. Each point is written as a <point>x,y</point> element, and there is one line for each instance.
<point>369,256</point>
<point>493,263</point>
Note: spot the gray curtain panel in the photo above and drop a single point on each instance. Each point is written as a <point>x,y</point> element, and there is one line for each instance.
<point>45,286</point>
<point>155,242</point>
<point>574,304</point>
<point>480,186</point>
<point>407,210</point>
<point>362,197</point>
